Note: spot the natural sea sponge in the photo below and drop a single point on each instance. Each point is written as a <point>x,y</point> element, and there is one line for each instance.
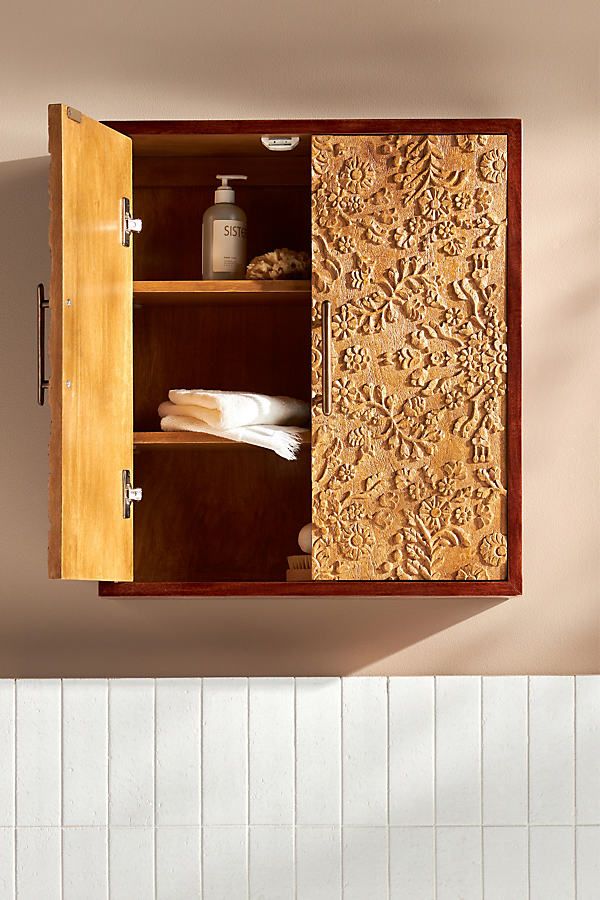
<point>281,263</point>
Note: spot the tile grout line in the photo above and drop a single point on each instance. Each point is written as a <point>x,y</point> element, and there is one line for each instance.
<point>108,810</point>
<point>201,783</point>
<point>341,680</point>
<point>528,718</point>
<point>481,785</point>
<point>574,693</point>
<point>247,788</point>
<point>199,801</point>
<point>15,832</point>
<point>154,835</point>
<point>295,796</point>
<point>387,791</point>
<point>61,788</point>
<point>434,782</point>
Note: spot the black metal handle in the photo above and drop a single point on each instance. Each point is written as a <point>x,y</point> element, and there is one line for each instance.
<point>42,382</point>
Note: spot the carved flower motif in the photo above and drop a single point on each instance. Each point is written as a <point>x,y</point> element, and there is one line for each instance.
<point>343,324</point>
<point>482,200</point>
<point>415,225</point>
<point>434,512</point>
<point>434,203</point>
<point>355,358</point>
<point>453,397</point>
<point>454,246</point>
<point>357,175</point>
<point>401,525</point>
<point>493,549</point>
<point>346,244</point>
<point>492,165</point>
<point>462,200</point>
<point>440,358</point>
<point>356,539</point>
<point>346,472</point>
<point>463,514</point>
<point>344,392</point>
<point>354,512</point>
<point>443,230</point>
<point>352,204</point>
<point>470,142</point>
<point>454,316</point>
<point>471,573</point>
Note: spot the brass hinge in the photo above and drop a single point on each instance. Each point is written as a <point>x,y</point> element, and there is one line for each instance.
<point>130,494</point>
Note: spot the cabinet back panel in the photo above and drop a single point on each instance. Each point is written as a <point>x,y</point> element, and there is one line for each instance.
<point>218,513</point>
<point>171,195</point>
<point>238,346</point>
<point>170,144</point>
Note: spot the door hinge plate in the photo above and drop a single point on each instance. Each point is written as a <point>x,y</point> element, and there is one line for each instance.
<point>130,494</point>
<point>129,225</point>
<point>74,114</point>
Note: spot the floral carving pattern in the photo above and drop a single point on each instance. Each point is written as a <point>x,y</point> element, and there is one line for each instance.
<point>409,247</point>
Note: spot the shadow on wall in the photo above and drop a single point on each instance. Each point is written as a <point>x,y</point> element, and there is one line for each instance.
<point>53,628</point>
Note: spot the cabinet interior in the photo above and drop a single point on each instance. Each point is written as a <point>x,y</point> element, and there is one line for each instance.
<point>214,510</point>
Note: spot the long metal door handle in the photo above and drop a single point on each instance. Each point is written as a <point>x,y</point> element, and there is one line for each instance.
<point>326,336</point>
<point>42,382</point>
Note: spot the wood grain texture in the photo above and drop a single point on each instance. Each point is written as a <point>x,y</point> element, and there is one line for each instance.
<point>223,146</point>
<point>170,246</point>
<point>261,348</point>
<point>91,389</point>
<point>409,247</point>
<point>217,513</point>
<point>170,173</point>
<point>284,169</point>
<point>179,127</point>
<point>185,438</point>
<point>221,292</point>
<point>309,589</point>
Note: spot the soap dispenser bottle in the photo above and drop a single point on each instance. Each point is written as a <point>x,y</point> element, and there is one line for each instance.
<point>224,235</point>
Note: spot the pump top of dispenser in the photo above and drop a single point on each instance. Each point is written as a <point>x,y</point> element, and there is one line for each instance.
<point>225,193</point>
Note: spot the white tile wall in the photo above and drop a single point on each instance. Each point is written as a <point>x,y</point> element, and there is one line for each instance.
<point>308,789</point>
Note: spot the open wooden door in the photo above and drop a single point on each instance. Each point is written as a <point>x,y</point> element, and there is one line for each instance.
<point>91,360</point>
<point>409,345</point>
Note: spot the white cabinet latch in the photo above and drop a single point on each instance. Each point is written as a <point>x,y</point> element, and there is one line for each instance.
<point>130,494</point>
<point>279,142</point>
<point>129,225</point>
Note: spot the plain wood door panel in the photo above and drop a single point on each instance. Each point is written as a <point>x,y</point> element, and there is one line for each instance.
<point>409,249</point>
<point>91,384</point>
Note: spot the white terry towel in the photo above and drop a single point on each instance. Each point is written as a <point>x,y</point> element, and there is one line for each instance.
<point>284,440</point>
<point>232,409</point>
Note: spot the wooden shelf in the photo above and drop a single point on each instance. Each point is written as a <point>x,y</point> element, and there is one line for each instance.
<point>190,438</point>
<point>197,292</point>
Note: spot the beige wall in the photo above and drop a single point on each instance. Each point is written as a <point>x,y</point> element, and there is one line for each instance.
<point>399,59</point>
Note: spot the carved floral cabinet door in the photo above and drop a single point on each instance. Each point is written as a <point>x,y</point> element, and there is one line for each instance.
<point>410,357</point>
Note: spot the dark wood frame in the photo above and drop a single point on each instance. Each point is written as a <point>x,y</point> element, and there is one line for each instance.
<point>512,586</point>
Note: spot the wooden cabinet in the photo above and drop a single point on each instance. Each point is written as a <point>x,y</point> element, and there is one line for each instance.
<point>411,470</point>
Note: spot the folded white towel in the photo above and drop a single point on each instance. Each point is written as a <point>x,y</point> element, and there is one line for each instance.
<point>232,409</point>
<point>284,440</point>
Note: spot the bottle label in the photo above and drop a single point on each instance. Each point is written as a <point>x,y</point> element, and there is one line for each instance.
<point>229,245</point>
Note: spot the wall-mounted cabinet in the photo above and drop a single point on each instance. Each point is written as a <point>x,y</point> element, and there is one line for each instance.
<point>407,344</point>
